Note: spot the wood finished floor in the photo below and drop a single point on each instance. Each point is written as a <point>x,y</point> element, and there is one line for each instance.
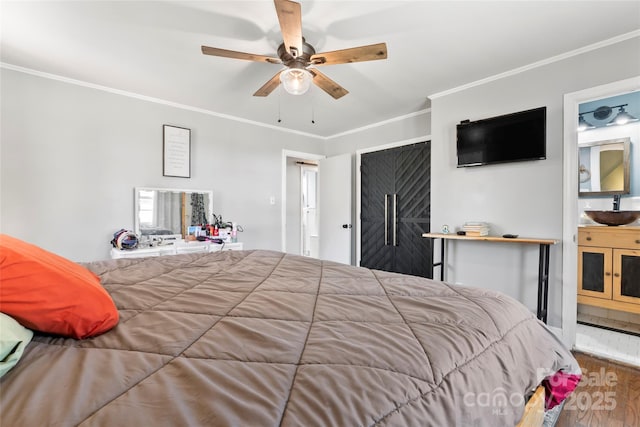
<point>600,402</point>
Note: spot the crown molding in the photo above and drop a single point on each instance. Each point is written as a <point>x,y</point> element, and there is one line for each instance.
<point>151,99</point>
<point>196,109</point>
<point>382,123</point>
<point>591,47</point>
<point>547,61</point>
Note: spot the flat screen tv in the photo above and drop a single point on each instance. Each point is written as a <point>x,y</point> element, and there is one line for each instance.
<point>510,138</point>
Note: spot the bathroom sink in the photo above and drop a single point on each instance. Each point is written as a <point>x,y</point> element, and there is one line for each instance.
<point>613,217</point>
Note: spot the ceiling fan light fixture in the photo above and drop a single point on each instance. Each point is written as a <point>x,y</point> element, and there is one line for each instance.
<point>297,56</point>
<point>296,81</point>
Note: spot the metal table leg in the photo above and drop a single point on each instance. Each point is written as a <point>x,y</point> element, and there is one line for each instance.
<point>543,283</point>
<point>433,256</point>
<point>442,246</point>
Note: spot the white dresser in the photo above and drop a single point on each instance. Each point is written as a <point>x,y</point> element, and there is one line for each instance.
<point>181,247</point>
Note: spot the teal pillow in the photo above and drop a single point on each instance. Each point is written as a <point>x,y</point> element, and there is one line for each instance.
<point>13,339</point>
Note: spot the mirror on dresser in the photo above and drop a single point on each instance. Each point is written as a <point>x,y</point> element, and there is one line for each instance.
<point>167,212</point>
<point>604,167</point>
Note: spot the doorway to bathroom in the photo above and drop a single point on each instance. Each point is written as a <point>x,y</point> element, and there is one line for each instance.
<point>587,326</point>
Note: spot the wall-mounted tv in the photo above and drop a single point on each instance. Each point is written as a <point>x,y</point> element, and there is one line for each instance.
<point>509,138</point>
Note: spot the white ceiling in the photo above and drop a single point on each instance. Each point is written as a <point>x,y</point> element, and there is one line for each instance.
<point>152,48</point>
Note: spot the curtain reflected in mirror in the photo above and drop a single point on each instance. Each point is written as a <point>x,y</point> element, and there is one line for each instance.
<point>198,209</point>
<point>604,167</point>
<point>164,212</point>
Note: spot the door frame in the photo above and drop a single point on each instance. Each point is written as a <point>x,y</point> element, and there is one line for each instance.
<point>283,191</point>
<point>359,153</point>
<point>570,196</point>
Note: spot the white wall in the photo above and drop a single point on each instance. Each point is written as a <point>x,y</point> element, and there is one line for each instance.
<point>522,198</point>
<point>71,156</point>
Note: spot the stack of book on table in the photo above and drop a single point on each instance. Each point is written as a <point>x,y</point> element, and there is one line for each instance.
<point>476,228</point>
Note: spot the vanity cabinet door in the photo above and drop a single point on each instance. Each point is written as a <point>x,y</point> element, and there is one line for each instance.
<point>595,272</point>
<point>626,275</point>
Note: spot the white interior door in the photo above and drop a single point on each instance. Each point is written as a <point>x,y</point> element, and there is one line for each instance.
<point>334,201</point>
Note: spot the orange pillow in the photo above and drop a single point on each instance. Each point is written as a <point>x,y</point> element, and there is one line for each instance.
<point>49,293</point>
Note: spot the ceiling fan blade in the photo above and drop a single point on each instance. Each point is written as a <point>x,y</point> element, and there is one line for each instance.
<point>290,17</point>
<point>269,86</point>
<point>354,54</point>
<point>328,85</point>
<point>239,55</point>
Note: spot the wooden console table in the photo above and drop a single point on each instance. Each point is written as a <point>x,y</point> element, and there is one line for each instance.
<point>543,263</point>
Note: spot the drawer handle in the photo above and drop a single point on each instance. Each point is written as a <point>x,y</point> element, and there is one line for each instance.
<point>638,241</point>
<point>588,239</point>
<point>617,274</point>
<point>607,274</point>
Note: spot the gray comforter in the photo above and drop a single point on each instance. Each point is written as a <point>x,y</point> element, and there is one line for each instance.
<point>260,338</point>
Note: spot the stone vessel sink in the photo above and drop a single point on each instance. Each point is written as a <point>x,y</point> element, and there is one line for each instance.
<point>613,217</point>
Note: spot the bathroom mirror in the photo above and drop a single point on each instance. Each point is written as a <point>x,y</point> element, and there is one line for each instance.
<point>604,167</point>
<point>169,212</point>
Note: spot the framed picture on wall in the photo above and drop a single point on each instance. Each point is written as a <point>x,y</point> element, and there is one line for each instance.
<point>176,146</point>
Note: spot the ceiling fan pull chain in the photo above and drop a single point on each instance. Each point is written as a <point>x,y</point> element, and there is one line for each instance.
<point>279,98</point>
<point>313,103</point>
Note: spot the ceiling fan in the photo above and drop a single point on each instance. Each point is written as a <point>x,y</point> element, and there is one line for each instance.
<point>300,58</point>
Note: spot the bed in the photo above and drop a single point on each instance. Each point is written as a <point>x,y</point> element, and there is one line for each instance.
<point>263,338</point>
